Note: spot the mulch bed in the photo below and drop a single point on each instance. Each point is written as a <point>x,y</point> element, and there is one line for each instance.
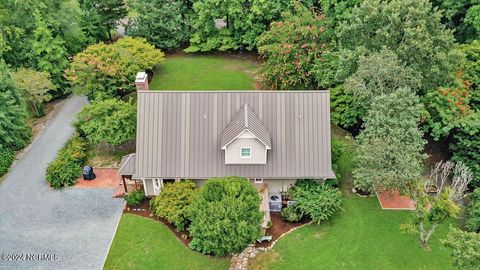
<point>144,211</point>
<point>279,226</point>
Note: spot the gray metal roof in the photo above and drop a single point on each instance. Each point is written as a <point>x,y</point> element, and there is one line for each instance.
<point>179,133</point>
<point>245,119</point>
<point>127,165</point>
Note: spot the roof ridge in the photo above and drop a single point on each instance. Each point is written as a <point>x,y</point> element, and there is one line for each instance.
<point>246,114</point>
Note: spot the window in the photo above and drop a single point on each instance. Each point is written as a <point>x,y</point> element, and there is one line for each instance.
<point>246,152</point>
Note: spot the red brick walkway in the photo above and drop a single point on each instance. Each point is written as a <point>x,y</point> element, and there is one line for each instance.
<point>392,200</point>
<point>106,178</point>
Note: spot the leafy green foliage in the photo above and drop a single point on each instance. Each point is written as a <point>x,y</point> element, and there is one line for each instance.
<point>292,214</point>
<point>35,87</point>
<point>345,112</point>
<point>409,28</point>
<point>67,166</point>
<point>378,73</point>
<point>466,249</point>
<point>50,53</point>
<point>162,22</point>
<point>472,19</point>
<point>471,68</point>
<point>472,214</point>
<point>110,12</point>
<point>225,216</point>
<point>391,145</point>
<point>134,198</point>
<point>338,149</point>
<point>14,132</point>
<point>315,200</point>
<point>109,121</point>
<point>105,71</point>
<point>173,202</point>
<point>245,20</point>
<point>466,145</point>
<point>6,160</point>
<point>290,49</point>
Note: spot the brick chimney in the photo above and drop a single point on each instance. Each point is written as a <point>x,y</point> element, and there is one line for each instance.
<point>141,81</point>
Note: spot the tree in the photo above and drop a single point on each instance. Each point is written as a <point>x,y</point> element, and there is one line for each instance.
<point>104,71</point>
<point>110,121</point>
<point>457,174</point>
<point>14,131</point>
<point>290,48</point>
<point>110,12</point>
<point>466,145</point>
<point>225,216</point>
<point>472,213</point>
<point>453,12</point>
<point>471,69</point>
<point>244,21</point>
<point>50,53</point>
<point>465,248</point>
<point>378,73</point>
<point>472,19</point>
<point>91,22</point>
<point>173,202</point>
<point>163,23</point>
<point>35,87</point>
<point>391,144</point>
<point>409,28</point>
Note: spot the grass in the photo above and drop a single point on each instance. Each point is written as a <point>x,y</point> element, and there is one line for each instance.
<point>361,237</point>
<point>143,243</point>
<point>204,72</point>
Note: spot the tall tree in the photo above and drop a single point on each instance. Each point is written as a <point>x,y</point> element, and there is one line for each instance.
<point>390,147</point>
<point>14,132</point>
<point>50,53</point>
<point>111,12</point>
<point>163,23</point>
<point>410,28</point>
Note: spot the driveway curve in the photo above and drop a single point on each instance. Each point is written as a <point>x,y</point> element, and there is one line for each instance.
<point>42,228</point>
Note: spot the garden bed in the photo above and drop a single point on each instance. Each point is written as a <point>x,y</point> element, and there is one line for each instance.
<point>278,228</point>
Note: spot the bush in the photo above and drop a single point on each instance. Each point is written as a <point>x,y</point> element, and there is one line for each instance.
<point>465,248</point>
<point>225,216</point>
<point>109,121</point>
<point>290,49</point>
<point>67,166</point>
<point>315,200</point>
<point>173,202</point>
<point>291,214</point>
<point>135,198</point>
<point>338,149</point>
<point>6,160</point>
<point>472,215</point>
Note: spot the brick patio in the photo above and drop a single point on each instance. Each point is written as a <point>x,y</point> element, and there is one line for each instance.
<point>392,200</point>
<point>106,178</point>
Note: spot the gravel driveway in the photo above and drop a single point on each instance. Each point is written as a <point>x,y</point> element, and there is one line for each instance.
<point>54,229</point>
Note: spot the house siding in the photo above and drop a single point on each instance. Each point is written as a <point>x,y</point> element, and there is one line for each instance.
<point>258,152</point>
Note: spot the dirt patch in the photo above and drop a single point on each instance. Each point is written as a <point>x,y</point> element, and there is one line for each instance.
<point>279,227</point>
<point>144,211</point>
<point>263,259</point>
<point>436,151</point>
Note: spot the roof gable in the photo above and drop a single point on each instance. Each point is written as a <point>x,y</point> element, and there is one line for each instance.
<point>245,120</point>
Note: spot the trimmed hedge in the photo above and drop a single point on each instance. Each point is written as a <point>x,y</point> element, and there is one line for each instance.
<point>67,166</point>
<point>6,160</point>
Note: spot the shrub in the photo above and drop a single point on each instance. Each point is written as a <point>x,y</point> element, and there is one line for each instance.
<point>109,121</point>
<point>472,215</point>
<point>173,202</point>
<point>465,248</point>
<point>6,160</point>
<point>338,149</point>
<point>291,214</point>
<point>225,216</point>
<point>135,198</point>
<point>315,200</point>
<point>290,49</point>
<point>67,166</point>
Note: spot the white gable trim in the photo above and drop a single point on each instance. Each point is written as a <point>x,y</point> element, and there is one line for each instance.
<point>251,135</point>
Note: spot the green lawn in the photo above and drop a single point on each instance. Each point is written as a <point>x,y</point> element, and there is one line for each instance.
<point>142,243</point>
<point>204,72</point>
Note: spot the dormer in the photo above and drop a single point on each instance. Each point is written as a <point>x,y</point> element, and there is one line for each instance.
<point>246,140</point>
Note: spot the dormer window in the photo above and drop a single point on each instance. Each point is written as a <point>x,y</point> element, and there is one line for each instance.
<point>246,140</point>
<point>246,152</point>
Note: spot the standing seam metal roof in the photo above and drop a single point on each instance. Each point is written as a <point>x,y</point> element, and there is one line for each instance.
<point>179,134</point>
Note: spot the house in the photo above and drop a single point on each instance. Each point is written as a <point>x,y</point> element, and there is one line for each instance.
<point>272,138</point>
